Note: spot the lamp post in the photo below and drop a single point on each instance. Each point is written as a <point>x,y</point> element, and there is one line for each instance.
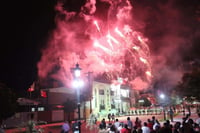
<point>162,96</point>
<point>78,84</point>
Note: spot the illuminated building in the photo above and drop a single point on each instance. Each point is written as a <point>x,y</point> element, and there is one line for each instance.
<point>109,98</point>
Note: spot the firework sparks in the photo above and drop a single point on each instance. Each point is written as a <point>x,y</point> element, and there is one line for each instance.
<point>119,32</point>
<point>97,44</point>
<point>148,73</point>
<point>119,53</point>
<point>143,60</point>
<point>97,25</point>
<point>112,38</point>
<point>136,48</point>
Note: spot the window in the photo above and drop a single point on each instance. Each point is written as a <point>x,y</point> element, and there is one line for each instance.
<point>112,106</point>
<point>124,93</point>
<point>33,109</point>
<point>102,102</point>
<point>112,93</point>
<point>101,92</point>
<point>40,108</point>
<point>102,107</point>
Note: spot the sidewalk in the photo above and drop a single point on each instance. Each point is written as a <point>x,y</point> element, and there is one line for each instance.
<point>179,117</point>
<point>56,127</point>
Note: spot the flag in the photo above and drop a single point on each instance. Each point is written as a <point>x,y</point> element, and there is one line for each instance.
<point>43,93</point>
<point>32,87</point>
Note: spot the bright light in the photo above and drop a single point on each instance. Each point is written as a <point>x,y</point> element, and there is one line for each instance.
<point>97,25</point>
<point>141,101</point>
<point>77,73</point>
<point>124,93</point>
<point>162,96</point>
<point>78,83</point>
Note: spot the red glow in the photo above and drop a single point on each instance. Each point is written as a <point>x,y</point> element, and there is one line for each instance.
<point>30,89</point>
<point>97,25</point>
<point>148,73</point>
<point>143,60</point>
<point>111,47</point>
<point>136,48</point>
<point>112,38</point>
<point>119,32</point>
<point>59,106</point>
<point>43,94</point>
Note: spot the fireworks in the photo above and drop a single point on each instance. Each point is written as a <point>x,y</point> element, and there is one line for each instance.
<point>119,52</point>
<point>114,49</point>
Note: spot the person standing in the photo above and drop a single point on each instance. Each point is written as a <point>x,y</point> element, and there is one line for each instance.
<point>138,123</point>
<point>113,117</point>
<point>75,126</point>
<point>31,124</point>
<point>145,128</point>
<point>153,119</point>
<point>1,128</point>
<point>156,125</point>
<point>125,129</point>
<point>65,127</point>
<point>109,117</point>
<point>171,114</point>
<point>117,123</point>
<point>92,121</point>
<point>198,119</point>
<point>150,124</point>
<point>102,124</point>
<point>129,124</point>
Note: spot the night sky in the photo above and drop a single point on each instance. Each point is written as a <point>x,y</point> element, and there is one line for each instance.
<point>27,24</point>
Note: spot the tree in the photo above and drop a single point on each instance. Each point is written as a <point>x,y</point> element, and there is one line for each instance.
<point>190,84</point>
<point>8,102</point>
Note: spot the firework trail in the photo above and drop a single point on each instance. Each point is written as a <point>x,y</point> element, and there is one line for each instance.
<point>109,47</point>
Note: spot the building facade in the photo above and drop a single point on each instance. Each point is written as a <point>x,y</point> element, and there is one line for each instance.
<point>106,98</point>
<point>109,98</point>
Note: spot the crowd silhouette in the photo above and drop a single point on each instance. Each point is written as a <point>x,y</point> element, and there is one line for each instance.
<point>152,125</point>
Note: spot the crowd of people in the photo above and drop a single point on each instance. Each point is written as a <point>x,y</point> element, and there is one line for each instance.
<point>188,125</point>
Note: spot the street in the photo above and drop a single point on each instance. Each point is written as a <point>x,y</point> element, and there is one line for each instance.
<point>56,127</point>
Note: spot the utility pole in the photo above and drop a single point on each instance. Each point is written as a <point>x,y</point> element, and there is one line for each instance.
<point>90,88</point>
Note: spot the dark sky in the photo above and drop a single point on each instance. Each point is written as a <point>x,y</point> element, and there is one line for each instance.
<point>25,27</point>
<point>27,23</point>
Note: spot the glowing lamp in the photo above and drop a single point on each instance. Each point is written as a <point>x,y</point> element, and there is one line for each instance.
<point>162,96</point>
<point>77,83</point>
<point>77,71</point>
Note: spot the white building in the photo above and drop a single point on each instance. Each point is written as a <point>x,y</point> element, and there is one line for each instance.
<point>109,98</point>
<point>106,98</point>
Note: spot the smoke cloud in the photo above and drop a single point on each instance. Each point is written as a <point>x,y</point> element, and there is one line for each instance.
<point>168,25</point>
<point>146,49</point>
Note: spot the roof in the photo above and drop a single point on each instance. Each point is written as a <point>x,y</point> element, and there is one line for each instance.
<point>25,101</point>
<point>61,90</point>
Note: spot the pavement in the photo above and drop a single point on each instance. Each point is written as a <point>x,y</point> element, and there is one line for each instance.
<point>56,127</point>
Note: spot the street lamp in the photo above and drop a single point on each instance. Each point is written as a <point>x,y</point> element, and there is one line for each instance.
<point>162,97</point>
<point>78,83</point>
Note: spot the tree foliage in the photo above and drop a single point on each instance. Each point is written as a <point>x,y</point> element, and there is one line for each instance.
<point>190,84</point>
<point>8,102</point>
